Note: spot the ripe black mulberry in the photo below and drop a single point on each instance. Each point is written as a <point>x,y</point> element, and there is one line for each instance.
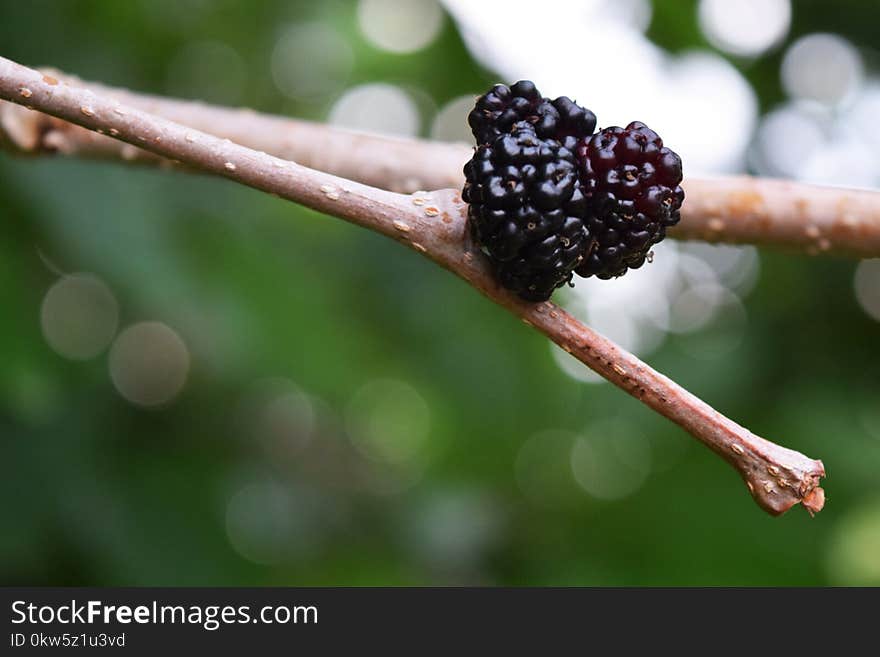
<point>496,112</point>
<point>526,210</point>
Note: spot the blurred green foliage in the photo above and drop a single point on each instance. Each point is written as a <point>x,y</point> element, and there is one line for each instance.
<point>95,490</point>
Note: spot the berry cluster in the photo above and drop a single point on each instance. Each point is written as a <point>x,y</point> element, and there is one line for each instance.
<point>548,198</point>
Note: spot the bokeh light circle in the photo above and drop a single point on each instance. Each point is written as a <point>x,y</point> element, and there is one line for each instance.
<point>311,61</point>
<point>695,307</point>
<point>860,119</point>
<point>149,364</point>
<point>285,423</point>
<point>611,460</point>
<point>268,522</point>
<point>453,529</point>
<point>632,13</point>
<point>723,331</point>
<point>735,266</point>
<point>732,102</point>
<point>572,367</point>
<point>854,553</point>
<point>745,27</point>
<point>388,421</point>
<point>845,162</point>
<point>381,108</point>
<point>786,138</point>
<point>867,286</point>
<point>400,27</point>
<point>822,67</point>
<point>79,316</point>
<point>450,123</point>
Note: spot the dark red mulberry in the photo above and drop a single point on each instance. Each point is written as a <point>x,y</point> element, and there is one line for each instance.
<point>632,184</point>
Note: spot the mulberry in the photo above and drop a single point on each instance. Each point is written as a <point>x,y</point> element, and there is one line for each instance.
<point>526,210</point>
<point>547,198</point>
<point>633,186</point>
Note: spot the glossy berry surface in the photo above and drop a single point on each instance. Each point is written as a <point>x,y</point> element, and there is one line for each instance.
<point>526,210</point>
<point>633,186</point>
<point>496,112</point>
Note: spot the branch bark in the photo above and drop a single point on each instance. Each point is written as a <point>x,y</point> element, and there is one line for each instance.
<point>396,164</point>
<point>434,224</point>
<point>808,218</point>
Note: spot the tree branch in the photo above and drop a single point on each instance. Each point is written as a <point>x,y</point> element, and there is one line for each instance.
<point>396,164</point>
<point>434,224</point>
<point>745,210</point>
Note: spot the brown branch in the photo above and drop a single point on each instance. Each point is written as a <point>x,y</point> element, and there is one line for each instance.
<point>396,164</point>
<point>781,213</point>
<point>432,223</point>
<point>737,210</point>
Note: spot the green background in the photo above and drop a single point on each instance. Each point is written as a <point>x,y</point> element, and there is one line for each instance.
<point>95,490</point>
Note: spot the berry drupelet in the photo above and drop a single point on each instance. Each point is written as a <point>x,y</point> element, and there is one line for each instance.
<point>633,186</point>
<point>547,198</point>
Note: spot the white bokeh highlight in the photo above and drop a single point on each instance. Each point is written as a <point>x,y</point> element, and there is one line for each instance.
<point>450,122</point>
<point>825,68</point>
<point>859,120</point>
<point>843,162</point>
<point>787,137</point>
<point>378,108</point>
<point>688,288</point>
<point>735,266</point>
<point>567,33</point>
<point>634,13</point>
<point>816,143</point>
<point>400,27</point>
<point>745,27</point>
